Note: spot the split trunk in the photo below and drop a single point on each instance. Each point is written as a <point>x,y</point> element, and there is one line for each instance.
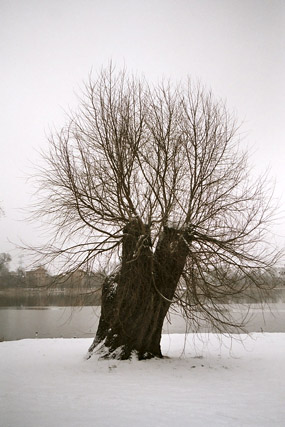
<point>136,300</point>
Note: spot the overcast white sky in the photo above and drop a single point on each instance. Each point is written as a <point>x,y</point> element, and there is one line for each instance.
<point>48,47</point>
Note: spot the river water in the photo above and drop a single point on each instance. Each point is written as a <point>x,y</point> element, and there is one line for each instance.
<point>67,322</point>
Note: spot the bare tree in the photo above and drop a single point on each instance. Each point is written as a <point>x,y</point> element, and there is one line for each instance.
<point>152,179</point>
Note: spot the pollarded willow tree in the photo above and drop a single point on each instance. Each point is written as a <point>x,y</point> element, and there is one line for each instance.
<point>152,177</point>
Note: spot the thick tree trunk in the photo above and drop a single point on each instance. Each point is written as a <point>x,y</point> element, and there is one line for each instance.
<point>135,301</point>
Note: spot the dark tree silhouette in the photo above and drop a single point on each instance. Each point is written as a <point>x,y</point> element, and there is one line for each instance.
<point>151,178</point>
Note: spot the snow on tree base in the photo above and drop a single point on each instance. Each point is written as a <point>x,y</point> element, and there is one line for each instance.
<point>120,353</point>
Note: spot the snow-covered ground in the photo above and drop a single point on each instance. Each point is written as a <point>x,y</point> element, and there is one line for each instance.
<point>206,381</point>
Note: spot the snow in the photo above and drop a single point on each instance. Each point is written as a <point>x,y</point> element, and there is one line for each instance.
<point>207,380</point>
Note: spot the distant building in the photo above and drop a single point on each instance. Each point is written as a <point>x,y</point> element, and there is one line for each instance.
<point>37,277</point>
<point>80,279</point>
<point>281,272</point>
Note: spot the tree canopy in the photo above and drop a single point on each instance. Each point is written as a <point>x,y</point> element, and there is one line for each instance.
<point>153,179</point>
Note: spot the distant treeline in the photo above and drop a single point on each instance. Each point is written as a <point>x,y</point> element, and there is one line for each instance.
<point>84,288</point>
<point>40,278</point>
<point>37,287</point>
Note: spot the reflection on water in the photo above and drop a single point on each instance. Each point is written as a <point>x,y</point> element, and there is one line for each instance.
<point>72,298</point>
<point>55,315</point>
<point>48,322</point>
<point>47,298</point>
<point>68,322</point>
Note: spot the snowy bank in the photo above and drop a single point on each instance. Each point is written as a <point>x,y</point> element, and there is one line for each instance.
<point>206,381</point>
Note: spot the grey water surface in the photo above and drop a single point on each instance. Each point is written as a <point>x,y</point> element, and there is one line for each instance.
<point>67,322</point>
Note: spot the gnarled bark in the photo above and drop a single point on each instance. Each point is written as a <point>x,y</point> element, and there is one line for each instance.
<point>136,300</point>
